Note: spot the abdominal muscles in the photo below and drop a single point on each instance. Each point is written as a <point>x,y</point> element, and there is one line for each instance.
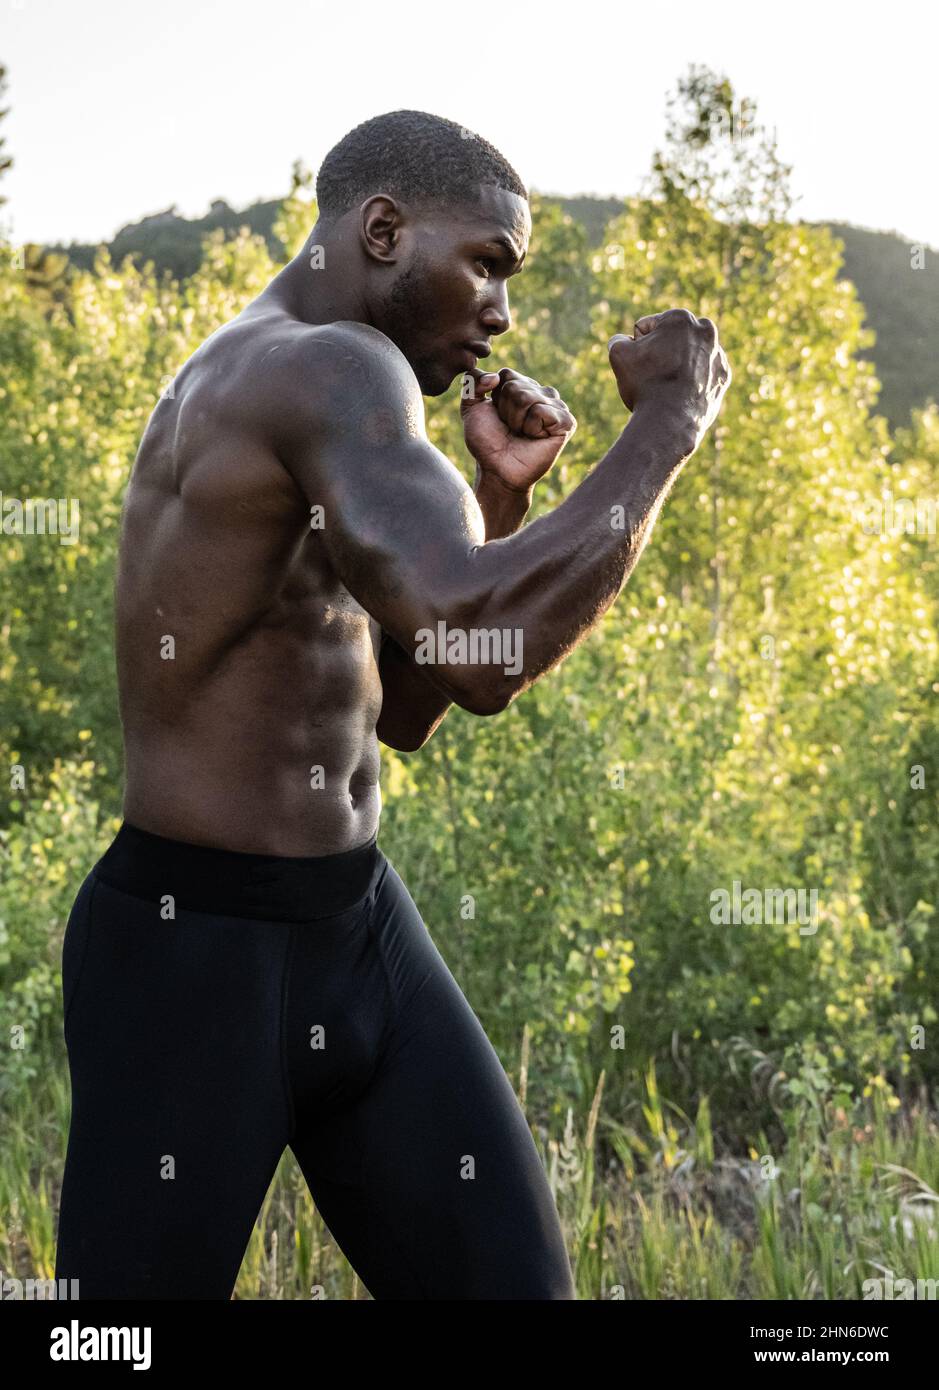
<point>269,747</point>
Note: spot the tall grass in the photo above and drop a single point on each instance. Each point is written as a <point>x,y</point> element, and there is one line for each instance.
<point>651,1206</point>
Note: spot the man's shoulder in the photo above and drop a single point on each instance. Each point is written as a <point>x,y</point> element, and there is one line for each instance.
<point>325,377</point>
<point>348,355</point>
<point>298,376</point>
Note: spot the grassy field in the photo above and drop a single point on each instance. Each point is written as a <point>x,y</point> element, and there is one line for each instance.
<point>651,1207</point>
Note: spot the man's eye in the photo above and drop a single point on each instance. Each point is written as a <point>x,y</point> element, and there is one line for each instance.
<point>486,261</point>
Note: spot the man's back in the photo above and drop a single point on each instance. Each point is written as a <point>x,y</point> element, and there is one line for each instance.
<point>248,674</point>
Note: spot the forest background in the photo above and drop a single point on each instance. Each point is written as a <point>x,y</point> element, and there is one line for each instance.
<point>725,1109</point>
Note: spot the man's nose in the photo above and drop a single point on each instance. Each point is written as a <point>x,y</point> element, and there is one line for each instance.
<point>496,315</point>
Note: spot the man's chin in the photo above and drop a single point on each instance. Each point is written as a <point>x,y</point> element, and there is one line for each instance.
<point>436,381</point>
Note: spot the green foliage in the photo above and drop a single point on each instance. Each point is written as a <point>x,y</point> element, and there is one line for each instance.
<point>39,854</point>
<point>758,690</point>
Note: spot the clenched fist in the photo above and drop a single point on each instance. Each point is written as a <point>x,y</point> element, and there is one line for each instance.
<point>675,362</point>
<point>513,427</point>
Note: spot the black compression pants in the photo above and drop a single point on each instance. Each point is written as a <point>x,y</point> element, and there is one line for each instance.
<point>220,1006</point>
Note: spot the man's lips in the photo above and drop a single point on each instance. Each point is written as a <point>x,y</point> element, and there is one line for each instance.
<point>471,351</point>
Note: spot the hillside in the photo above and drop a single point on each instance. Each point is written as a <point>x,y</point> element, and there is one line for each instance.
<point>903,309</point>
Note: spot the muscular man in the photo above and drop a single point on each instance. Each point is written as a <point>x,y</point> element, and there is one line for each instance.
<point>302,576</point>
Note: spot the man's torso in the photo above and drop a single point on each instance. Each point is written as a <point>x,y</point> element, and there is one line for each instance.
<point>248,674</point>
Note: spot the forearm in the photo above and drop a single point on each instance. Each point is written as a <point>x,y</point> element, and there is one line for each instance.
<point>413,707</point>
<point>551,583</point>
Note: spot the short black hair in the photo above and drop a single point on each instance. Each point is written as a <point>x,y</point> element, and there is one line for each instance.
<point>412,155</point>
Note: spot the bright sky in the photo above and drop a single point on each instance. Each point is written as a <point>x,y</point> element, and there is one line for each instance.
<point>120,108</point>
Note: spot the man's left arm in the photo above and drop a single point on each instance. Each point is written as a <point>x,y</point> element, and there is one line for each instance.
<point>515,437</point>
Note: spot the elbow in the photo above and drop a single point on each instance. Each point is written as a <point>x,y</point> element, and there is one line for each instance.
<point>405,737</point>
<point>476,655</point>
<point>485,692</point>
<point>402,743</point>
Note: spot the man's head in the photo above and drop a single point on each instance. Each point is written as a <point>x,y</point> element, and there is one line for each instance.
<point>439,221</point>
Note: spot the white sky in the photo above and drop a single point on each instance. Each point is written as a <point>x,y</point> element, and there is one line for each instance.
<point>120,108</point>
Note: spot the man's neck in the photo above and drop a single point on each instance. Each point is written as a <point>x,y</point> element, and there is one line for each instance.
<point>317,286</point>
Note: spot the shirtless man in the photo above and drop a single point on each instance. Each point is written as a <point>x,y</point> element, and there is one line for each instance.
<point>244,969</point>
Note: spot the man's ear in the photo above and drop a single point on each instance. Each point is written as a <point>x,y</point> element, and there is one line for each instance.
<point>380,221</point>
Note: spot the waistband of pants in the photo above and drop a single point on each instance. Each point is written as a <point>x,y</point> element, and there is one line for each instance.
<point>228,883</point>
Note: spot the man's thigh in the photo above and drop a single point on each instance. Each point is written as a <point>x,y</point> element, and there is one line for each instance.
<point>179,1115</point>
<point>431,1182</point>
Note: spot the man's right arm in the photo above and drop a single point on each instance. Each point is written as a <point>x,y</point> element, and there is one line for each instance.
<point>404,532</point>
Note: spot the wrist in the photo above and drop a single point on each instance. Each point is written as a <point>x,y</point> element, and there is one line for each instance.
<point>503,507</point>
<point>491,482</point>
<point>673,419</point>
